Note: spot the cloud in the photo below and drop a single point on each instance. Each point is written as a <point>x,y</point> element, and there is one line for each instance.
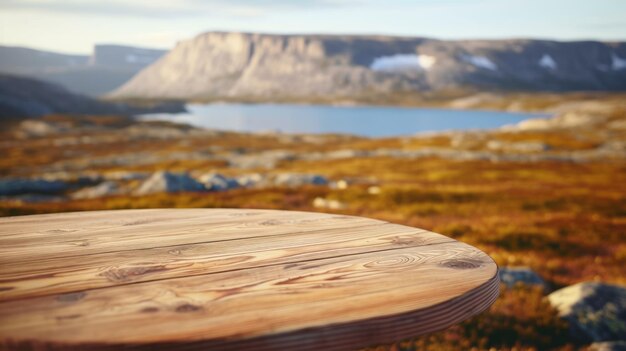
<point>168,8</point>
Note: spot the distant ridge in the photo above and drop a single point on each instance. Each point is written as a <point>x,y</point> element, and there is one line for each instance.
<point>107,68</point>
<point>267,67</point>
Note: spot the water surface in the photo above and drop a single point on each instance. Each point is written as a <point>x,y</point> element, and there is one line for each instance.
<point>372,121</point>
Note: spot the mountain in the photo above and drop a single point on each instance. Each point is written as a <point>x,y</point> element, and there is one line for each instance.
<point>248,66</point>
<point>24,98</point>
<point>108,67</point>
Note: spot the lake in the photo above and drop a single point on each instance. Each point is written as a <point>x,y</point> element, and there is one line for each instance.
<point>372,121</point>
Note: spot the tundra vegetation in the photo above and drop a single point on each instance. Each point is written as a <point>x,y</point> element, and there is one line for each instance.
<point>548,196</point>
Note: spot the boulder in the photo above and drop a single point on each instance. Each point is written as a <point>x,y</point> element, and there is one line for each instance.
<point>374,190</point>
<point>512,276</point>
<point>16,186</point>
<point>251,180</point>
<point>341,184</point>
<point>320,202</point>
<point>532,124</point>
<point>218,182</point>
<point>299,179</point>
<point>595,311</point>
<point>107,188</point>
<point>168,182</point>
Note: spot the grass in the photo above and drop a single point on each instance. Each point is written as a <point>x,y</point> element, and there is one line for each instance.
<point>567,221</point>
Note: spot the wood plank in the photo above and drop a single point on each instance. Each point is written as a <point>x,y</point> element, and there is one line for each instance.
<point>84,233</point>
<point>230,279</point>
<point>271,303</point>
<point>67,274</point>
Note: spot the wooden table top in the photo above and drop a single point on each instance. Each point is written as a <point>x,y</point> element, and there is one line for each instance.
<point>229,279</point>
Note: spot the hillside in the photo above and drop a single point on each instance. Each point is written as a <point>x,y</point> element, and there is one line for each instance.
<point>25,98</point>
<point>108,67</point>
<point>311,68</point>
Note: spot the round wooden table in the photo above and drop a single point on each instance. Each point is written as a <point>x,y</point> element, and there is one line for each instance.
<point>229,279</point>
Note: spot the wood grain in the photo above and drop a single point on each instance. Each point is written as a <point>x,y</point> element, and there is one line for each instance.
<point>234,279</point>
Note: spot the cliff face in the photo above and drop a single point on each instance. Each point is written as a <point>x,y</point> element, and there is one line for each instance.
<point>120,56</point>
<point>241,65</point>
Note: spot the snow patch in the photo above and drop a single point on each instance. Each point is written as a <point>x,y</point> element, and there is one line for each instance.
<point>480,62</point>
<point>618,62</point>
<point>132,58</point>
<point>547,61</point>
<point>403,62</point>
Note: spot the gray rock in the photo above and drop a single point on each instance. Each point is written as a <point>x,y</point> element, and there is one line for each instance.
<point>298,179</point>
<point>512,276</point>
<point>218,182</point>
<point>595,311</point>
<point>18,186</point>
<point>346,153</point>
<point>107,188</point>
<point>251,180</point>
<point>608,346</point>
<point>168,182</point>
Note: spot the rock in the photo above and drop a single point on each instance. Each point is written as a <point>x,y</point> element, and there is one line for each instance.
<point>168,182</point>
<point>345,153</point>
<point>497,145</point>
<point>107,188</point>
<point>595,311</point>
<point>18,186</point>
<point>320,202</point>
<point>148,131</point>
<point>341,184</point>
<point>125,175</point>
<point>217,182</point>
<point>251,180</point>
<point>512,276</point>
<point>573,119</point>
<point>35,128</point>
<point>608,346</point>
<point>532,124</point>
<point>296,179</point>
<point>373,190</point>
<point>574,115</point>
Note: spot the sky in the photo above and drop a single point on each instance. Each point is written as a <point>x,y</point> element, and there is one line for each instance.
<point>74,26</point>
